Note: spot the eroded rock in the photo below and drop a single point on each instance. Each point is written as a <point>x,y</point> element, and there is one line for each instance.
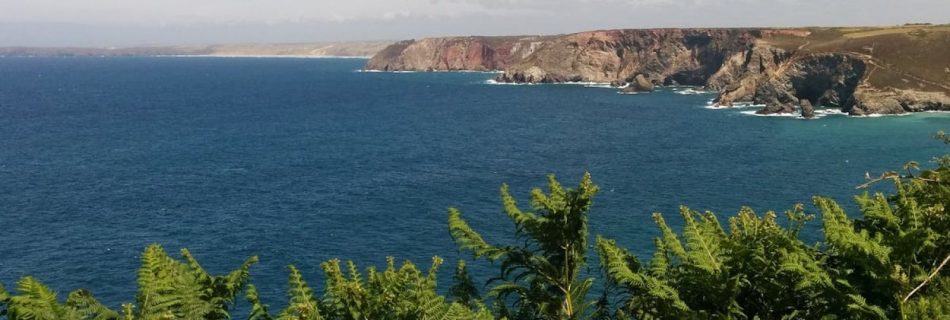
<point>640,83</point>
<point>808,111</point>
<point>776,108</point>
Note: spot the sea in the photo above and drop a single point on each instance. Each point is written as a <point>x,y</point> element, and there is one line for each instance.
<point>299,161</point>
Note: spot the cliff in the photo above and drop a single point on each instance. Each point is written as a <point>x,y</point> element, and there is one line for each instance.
<point>455,53</point>
<point>857,70</point>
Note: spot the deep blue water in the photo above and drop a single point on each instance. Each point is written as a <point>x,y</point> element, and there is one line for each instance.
<point>300,161</point>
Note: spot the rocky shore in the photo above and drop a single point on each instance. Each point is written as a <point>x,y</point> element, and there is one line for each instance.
<point>859,71</point>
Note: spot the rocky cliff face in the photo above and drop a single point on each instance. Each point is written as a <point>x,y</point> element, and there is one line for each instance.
<point>663,56</point>
<point>455,53</point>
<point>825,79</point>
<point>857,70</point>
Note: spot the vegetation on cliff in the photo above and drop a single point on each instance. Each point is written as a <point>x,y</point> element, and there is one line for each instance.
<point>890,262</point>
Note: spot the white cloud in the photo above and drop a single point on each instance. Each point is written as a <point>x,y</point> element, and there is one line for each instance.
<point>300,20</point>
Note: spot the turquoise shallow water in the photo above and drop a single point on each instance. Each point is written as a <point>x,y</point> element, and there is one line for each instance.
<point>303,160</point>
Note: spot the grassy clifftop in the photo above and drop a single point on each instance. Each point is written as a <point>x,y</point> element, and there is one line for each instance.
<point>913,57</point>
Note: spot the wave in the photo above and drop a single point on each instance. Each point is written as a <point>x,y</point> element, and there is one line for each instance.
<point>432,71</point>
<point>713,105</point>
<point>744,105</point>
<point>821,113</point>
<point>689,91</point>
<point>382,71</point>
<point>829,112</point>
<point>586,84</point>
<point>880,115</point>
<point>471,71</point>
<point>785,115</point>
<point>497,83</point>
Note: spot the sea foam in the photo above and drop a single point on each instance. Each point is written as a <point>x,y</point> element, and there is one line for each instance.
<point>785,115</point>
<point>586,84</point>
<point>740,105</point>
<point>689,91</point>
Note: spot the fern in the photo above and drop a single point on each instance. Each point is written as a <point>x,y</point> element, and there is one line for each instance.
<point>541,276</point>
<point>647,295</point>
<point>87,307</point>
<point>4,300</point>
<point>303,305</point>
<point>466,238</point>
<point>463,290</point>
<point>35,301</point>
<point>703,239</point>
<point>842,236</point>
<point>169,288</point>
<point>259,311</point>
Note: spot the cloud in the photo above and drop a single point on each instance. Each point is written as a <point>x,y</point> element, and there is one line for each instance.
<point>123,22</point>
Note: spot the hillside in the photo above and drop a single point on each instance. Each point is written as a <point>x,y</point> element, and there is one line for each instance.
<point>859,70</point>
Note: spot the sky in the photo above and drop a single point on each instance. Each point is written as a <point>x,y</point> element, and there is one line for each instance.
<point>118,23</point>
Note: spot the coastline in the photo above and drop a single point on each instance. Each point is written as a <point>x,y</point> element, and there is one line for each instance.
<point>779,67</point>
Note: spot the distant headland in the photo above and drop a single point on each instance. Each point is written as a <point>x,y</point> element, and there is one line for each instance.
<point>362,49</point>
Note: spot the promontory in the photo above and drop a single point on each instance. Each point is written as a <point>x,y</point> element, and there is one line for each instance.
<point>859,70</point>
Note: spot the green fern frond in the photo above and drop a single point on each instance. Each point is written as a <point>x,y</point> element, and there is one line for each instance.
<point>512,210</point>
<point>258,309</point>
<point>703,239</point>
<point>4,295</point>
<point>466,238</point>
<point>302,303</point>
<point>841,235</point>
<point>34,301</point>
<point>87,307</point>
<point>660,263</point>
<point>669,238</point>
<point>621,267</point>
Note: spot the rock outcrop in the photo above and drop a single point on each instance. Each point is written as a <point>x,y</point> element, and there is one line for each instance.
<point>640,83</point>
<point>808,111</point>
<point>891,101</point>
<point>857,70</point>
<point>777,108</point>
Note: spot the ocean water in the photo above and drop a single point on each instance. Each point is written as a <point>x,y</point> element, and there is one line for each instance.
<point>303,160</point>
